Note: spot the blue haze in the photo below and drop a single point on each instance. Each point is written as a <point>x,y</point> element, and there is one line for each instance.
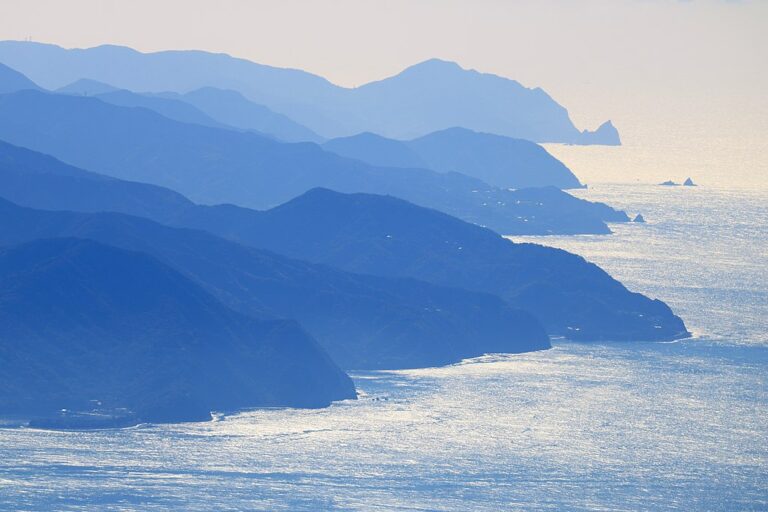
<point>426,97</point>
<point>359,233</point>
<point>211,165</point>
<point>497,160</point>
<point>676,426</point>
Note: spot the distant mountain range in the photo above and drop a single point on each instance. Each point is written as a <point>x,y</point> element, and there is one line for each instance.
<point>361,233</point>
<point>87,87</point>
<point>391,237</point>
<point>364,322</point>
<point>233,109</point>
<point>119,336</point>
<point>251,232</point>
<point>500,161</point>
<point>497,160</point>
<point>428,97</point>
<point>12,81</point>
<point>207,106</point>
<point>167,107</point>
<point>212,165</point>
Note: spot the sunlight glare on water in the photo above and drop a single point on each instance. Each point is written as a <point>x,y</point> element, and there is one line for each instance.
<point>634,426</point>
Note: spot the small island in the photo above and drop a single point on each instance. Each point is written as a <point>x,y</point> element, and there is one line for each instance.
<point>669,183</point>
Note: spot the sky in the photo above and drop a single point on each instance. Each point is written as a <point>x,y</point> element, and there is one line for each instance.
<point>660,69</point>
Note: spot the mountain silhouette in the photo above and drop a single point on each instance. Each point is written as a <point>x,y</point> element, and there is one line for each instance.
<point>500,161</point>
<point>362,321</point>
<point>12,81</point>
<point>87,87</point>
<point>376,150</point>
<point>424,98</point>
<point>232,109</point>
<point>436,95</point>
<point>606,134</point>
<point>211,165</point>
<point>86,326</point>
<point>369,234</point>
<point>171,108</point>
<point>207,106</point>
<point>32,179</point>
<point>389,237</point>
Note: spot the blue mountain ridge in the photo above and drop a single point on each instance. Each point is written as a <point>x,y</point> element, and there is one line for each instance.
<point>369,234</point>
<point>424,98</point>
<point>212,166</point>
<point>117,337</point>
<point>499,161</point>
<point>363,322</point>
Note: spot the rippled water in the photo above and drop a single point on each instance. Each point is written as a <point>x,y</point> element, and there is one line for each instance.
<point>703,251</point>
<point>580,427</point>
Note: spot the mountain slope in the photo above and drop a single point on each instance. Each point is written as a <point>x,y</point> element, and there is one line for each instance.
<point>362,233</point>
<point>12,81</point>
<point>170,108</point>
<point>177,71</point>
<point>32,179</point>
<point>233,109</point>
<point>390,237</point>
<point>435,95</point>
<point>427,97</point>
<point>362,321</point>
<point>87,87</point>
<point>500,161</point>
<point>376,150</point>
<point>84,326</point>
<point>207,106</point>
<point>211,165</point>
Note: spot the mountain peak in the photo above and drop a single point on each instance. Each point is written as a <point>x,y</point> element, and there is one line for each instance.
<point>433,65</point>
<point>453,130</point>
<point>436,62</point>
<point>113,49</point>
<point>87,87</point>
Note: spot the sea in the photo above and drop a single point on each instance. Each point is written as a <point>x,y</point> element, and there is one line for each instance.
<point>583,426</point>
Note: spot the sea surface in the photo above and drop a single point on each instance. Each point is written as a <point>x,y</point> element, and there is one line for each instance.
<point>612,426</point>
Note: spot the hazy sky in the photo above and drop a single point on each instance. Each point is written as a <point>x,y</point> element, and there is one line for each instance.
<point>699,65</point>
